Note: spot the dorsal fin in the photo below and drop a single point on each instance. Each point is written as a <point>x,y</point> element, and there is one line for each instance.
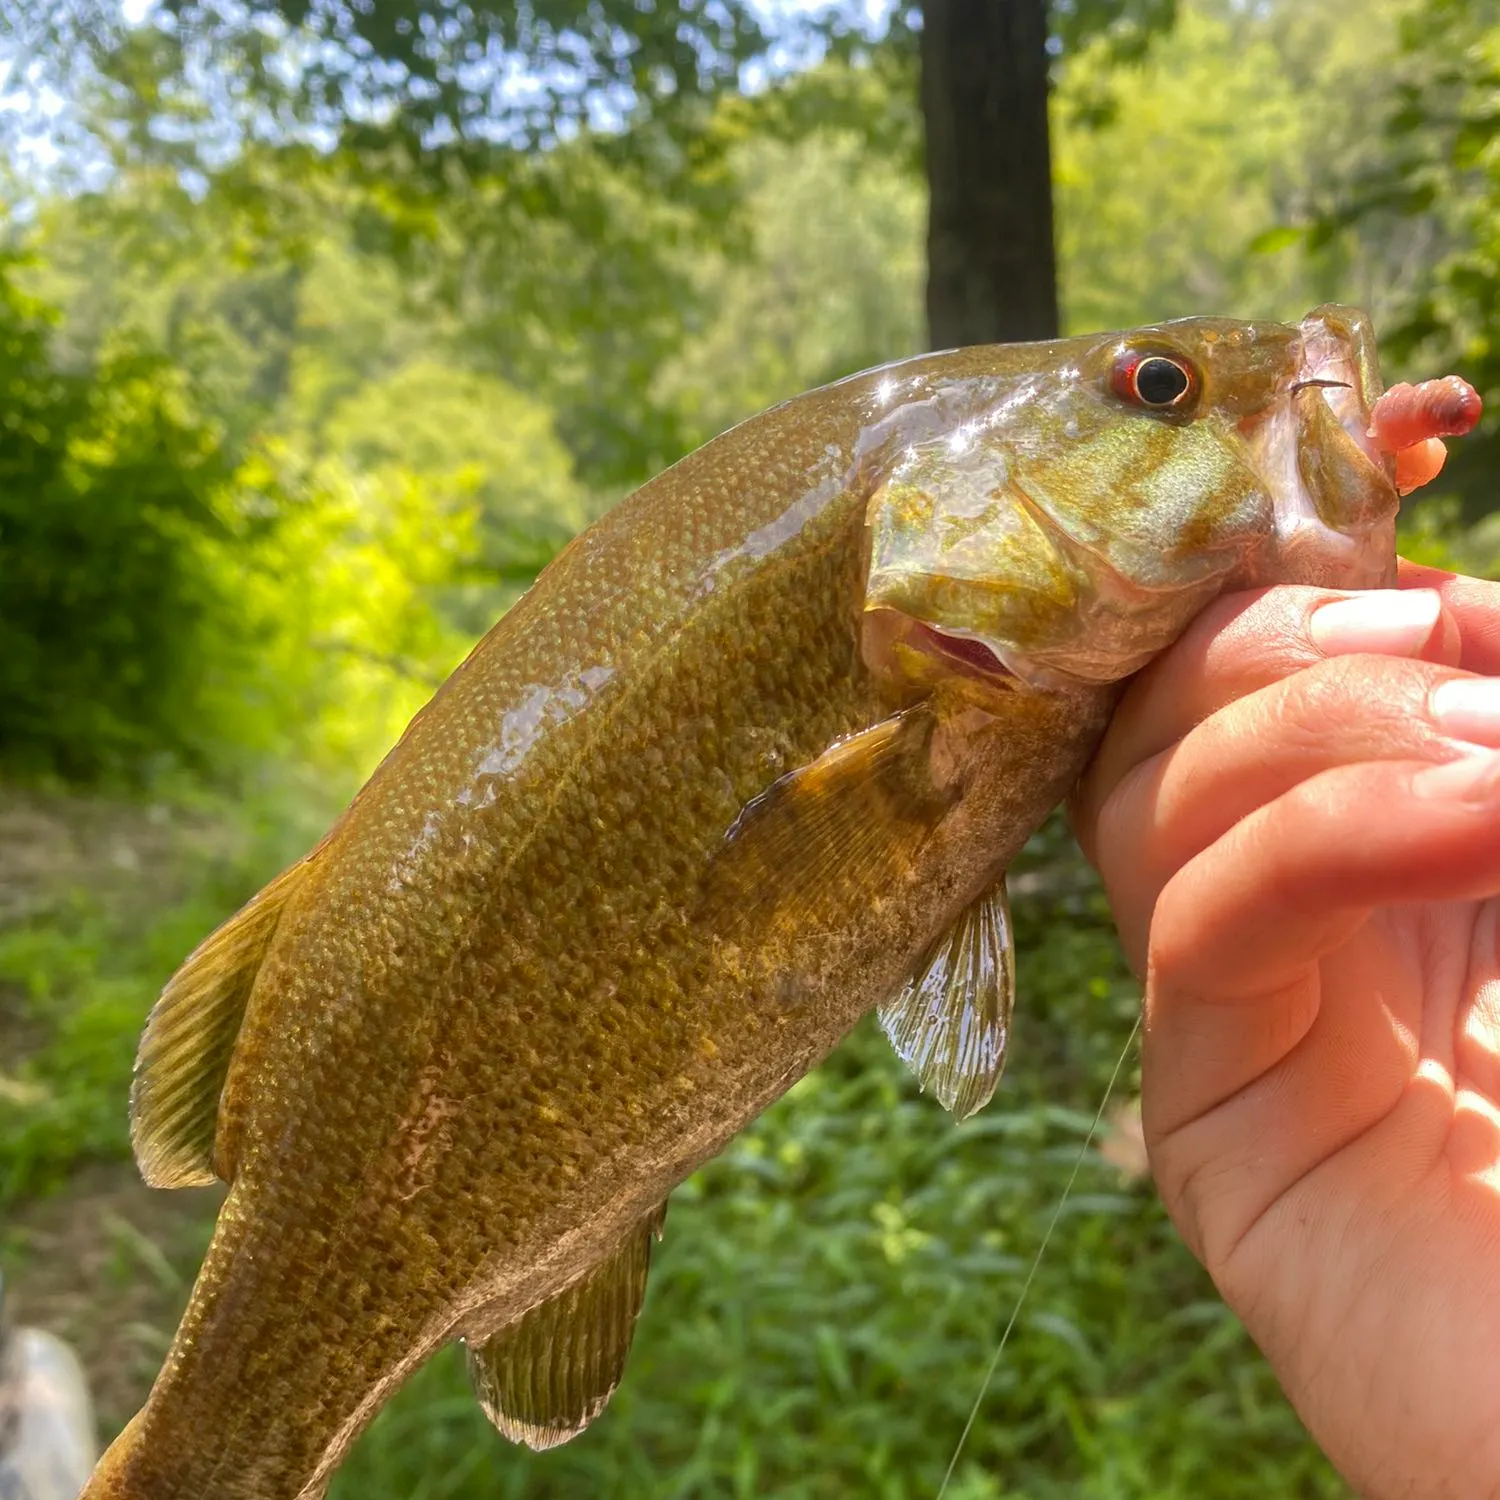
<point>546,1377</point>
<point>189,1039</point>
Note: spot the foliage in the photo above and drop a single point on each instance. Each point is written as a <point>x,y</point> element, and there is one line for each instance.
<point>161,607</point>
<point>570,276</point>
<point>338,637</point>
<point>454,80</point>
<point>212,284</point>
<point>1123,25</point>
<point>449,72</point>
<point>487,446</point>
<point>753,343</point>
<point>81,964</point>
<point>192,587</point>
<point>106,509</point>
<point>1405,217</point>
<point>1441,174</point>
<point>1160,213</point>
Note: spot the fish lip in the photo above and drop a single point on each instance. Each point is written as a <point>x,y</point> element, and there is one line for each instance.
<point>1334,520</point>
<point>1338,363</point>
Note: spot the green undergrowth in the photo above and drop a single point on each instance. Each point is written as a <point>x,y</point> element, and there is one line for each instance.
<point>81,967</point>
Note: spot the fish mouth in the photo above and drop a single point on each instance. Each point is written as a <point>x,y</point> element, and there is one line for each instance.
<point>1332,489</point>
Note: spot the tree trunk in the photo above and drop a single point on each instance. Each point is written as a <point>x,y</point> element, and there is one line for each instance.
<point>991,273</point>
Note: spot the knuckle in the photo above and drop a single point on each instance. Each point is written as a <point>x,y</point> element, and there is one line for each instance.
<point>1262,636</point>
<point>1374,696</point>
<point>1122,827</point>
<point>1172,945</point>
<point>1205,1193</point>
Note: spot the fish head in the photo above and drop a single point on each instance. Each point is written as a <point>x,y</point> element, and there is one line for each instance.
<point>1080,501</point>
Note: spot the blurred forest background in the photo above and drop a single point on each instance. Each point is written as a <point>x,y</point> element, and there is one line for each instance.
<point>324,326</point>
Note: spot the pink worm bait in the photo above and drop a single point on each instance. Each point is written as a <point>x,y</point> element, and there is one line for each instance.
<point>1411,421</point>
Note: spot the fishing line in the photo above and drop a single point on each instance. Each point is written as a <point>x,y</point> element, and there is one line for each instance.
<point>1036,1260</point>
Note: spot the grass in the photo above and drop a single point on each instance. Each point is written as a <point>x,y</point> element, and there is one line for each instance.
<point>829,1290</point>
<point>116,895</point>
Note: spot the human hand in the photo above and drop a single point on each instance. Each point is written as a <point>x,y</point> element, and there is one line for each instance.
<point>1301,842</point>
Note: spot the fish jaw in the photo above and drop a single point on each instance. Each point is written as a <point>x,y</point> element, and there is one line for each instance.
<point>1333,491</point>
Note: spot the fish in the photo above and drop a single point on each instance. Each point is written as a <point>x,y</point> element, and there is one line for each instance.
<point>748,762</point>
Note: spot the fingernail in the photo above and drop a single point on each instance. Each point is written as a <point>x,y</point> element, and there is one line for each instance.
<point>1474,778</point>
<point>1387,622</point>
<point>1468,708</point>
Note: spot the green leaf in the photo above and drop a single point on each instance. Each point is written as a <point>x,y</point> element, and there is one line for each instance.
<point>1281,237</point>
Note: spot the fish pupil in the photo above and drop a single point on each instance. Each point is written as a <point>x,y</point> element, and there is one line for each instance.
<point>1160,381</point>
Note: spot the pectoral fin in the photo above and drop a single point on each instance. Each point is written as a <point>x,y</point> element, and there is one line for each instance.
<point>951,1021</point>
<point>189,1039</point>
<point>844,828</point>
<point>546,1377</point>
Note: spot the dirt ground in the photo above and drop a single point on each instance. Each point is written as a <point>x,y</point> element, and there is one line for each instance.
<point>107,1264</point>
<point>132,856</point>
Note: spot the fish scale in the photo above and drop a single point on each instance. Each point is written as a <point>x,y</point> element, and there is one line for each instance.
<point>687,813</point>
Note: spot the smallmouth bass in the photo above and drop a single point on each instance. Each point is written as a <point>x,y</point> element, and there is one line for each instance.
<point>748,761</point>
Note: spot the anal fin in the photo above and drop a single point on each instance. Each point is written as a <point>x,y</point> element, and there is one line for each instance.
<point>951,1021</point>
<point>189,1039</point>
<point>546,1377</point>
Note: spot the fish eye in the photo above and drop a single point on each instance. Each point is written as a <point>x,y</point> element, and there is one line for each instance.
<point>1161,382</point>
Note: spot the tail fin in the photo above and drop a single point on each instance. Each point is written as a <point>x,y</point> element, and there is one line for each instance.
<point>111,1479</point>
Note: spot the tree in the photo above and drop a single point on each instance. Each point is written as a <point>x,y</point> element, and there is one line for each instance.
<point>433,98</point>
<point>107,485</point>
<point>1434,182</point>
<point>985,80</point>
<point>991,267</point>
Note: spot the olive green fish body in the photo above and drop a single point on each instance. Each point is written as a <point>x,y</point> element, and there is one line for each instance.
<point>707,795</point>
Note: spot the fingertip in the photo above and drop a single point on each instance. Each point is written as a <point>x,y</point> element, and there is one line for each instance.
<point>1385,622</point>
<point>1471,781</point>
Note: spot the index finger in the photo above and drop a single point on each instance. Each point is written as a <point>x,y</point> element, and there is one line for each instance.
<point>1246,641</point>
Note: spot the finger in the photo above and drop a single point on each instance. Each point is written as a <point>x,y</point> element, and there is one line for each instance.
<point>1172,806</point>
<point>1254,1071</point>
<point>1474,604</point>
<point>1239,931</point>
<point>1262,904</point>
<point>1243,642</point>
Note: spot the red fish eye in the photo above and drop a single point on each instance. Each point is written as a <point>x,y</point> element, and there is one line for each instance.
<point>1154,380</point>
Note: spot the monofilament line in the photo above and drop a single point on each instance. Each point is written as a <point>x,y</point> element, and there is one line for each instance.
<point>1036,1260</point>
